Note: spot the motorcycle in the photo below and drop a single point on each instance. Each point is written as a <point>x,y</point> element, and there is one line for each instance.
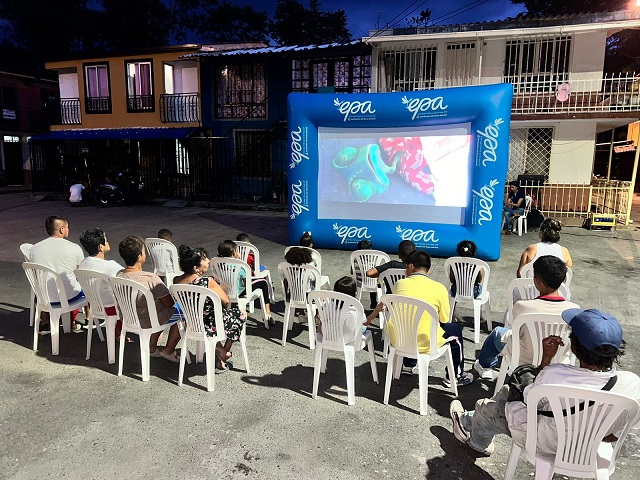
<point>112,193</point>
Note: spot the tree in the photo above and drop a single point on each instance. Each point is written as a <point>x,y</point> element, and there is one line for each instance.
<point>293,24</point>
<point>543,8</point>
<point>230,23</point>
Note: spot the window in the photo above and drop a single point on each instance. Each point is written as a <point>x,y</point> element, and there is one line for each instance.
<point>406,70</point>
<point>537,64</point>
<point>529,152</point>
<point>140,86</point>
<point>349,75</point>
<point>240,91</point>
<point>96,89</point>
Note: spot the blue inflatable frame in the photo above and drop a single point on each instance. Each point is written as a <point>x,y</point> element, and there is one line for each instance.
<point>483,110</point>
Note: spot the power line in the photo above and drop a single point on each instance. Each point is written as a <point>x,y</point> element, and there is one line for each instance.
<point>464,10</point>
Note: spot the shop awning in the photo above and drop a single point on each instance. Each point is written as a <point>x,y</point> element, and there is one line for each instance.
<point>115,134</point>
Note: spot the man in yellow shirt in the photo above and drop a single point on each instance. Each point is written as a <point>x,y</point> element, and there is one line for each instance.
<point>419,285</point>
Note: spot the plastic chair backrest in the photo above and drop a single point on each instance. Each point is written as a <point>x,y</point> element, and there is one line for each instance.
<point>245,248</point>
<point>390,277</point>
<point>581,433</point>
<point>192,300</point>
<point>159,250</point>
<point>527,272</point>
<point>96,288</point>
<point>363,260</point>
<point>332,309</point>
<point>227,272</point>
<point>42,280</point>
<point>540,326</point>
<point>315,255</point>
<point>527,204</point>
<point>298,279</point>
<point>465,271</point>
<point>405,314</point>
<point>25,248</point>
<point>127,292</point>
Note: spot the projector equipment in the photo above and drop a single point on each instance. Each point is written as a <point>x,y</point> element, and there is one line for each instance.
<point>599,221</point>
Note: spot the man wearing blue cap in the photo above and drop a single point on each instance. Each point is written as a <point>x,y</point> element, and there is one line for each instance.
<point>596,340</point>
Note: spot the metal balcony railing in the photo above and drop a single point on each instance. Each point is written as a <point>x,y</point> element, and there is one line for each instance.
<point>98,104</point>
<point>180,108</point>
<point>140,103</point>
<point>599,94</point>
<point>70,111</point>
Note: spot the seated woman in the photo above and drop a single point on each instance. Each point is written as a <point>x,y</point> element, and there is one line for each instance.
<point>306,240</point>
<point>133,253</point>
<point>466,248</point>
<point>194,262</point>
<point>229,249</point>
<point>548,245</point>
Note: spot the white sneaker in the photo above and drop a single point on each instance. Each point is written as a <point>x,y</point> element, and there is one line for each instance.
<point>456,411</point>
<point>410,370</point>
<point>484,373</point>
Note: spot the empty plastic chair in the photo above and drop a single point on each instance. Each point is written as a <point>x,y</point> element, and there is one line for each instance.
<point>25,248</point>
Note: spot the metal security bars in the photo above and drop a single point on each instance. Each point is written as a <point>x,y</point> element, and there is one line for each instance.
<point>70,111</point>
<point>529,152</point>
<point>349,74</point>
<point>407,68</point>
<point>180,108</point>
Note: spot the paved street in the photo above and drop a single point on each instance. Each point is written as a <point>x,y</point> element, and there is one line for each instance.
<point>64,416</point>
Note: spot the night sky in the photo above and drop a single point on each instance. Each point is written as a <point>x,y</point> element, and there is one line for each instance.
<point>365,15</point>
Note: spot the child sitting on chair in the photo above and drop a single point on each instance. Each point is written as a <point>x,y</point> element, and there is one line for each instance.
<point>466,248</point>
<point>347,285</point>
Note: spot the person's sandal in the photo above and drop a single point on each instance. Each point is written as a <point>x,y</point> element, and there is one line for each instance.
<point>174,357</point>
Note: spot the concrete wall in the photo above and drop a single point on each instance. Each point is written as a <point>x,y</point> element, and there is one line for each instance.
<point>572,152</point>
<point>492,61</point>
<point>69,85</point>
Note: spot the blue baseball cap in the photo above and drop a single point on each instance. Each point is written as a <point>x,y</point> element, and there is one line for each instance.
<point>594,328</point>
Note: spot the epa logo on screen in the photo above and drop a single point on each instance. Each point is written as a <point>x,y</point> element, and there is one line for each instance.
<point>425,107</point>
<point>417,236</point>
<point>355,110</point>
<point>351,234</point>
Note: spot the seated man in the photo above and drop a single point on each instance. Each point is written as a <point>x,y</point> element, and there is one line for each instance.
<point>596,340</point>
<point>548,274</point>
<point>405,247</point>
<point>513,205</point>
<point>63,257</point>
<point>418,285</point>
<point>133,253</point>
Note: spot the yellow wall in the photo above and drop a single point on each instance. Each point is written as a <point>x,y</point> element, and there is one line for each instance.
<point>119,117</point>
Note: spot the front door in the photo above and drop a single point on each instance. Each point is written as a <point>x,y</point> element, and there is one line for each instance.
<point>13,161</point>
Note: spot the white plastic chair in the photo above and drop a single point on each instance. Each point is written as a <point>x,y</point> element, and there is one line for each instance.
<point>161,251</point>
<point>245,248</point>
<point>405,315</point>
<point>40,277</point>
<point>540,326</point>
<point>298,284</point>
<point>387,280</point>
<point>25,248</point>
<point>527,272</point>
<point>126,293</point>
<point>317,260</point>
<point>465,271</point>
<point>522,289</point>
<point>192,300</point>
<point>522,219</point>
<point>227,272</point>
<point>333,308</point>
<point>362,261</point>
<point>581,451</point>
<point>96,288</point>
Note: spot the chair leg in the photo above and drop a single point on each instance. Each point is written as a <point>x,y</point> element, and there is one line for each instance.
<point>181,369</point>
<point>502,374</point>
<point>32,307</point>
<point>397,366</point>
<point>200,349</point>
<point>285,323</point>
<point>89,335</point>
<point>452,374</point>
<point>36,329</point>
<point>349,361</point>
<point>210,347</point>
<point>477,313</point>
<point>123,336</point>
<point>145,357</point>
<point>317,368</point>
<point>544,470</point>
<point>312,328</point>
<point>387,383</point>
<point>264,311</point>
<point>185,348</point>
<point>423,383</point>
<point>325,356</point>
<point>512,462</point>
<point>243,344</point>
<point>372,359</point>
<point>110,324</point>
<point>66,322</point>
<point>55,332</point>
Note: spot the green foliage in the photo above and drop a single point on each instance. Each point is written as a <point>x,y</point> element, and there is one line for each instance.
<point>293,24</point>
<point>563,7</point>
<point>226,22</point>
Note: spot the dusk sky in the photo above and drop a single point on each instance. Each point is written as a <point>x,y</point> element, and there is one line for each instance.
<point>363,14</point>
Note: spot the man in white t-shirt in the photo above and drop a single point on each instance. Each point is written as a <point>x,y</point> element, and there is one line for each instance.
<point>596,340</point>
<point>63,257</point>
<point>75,193</point>
<point>548,274</point>
<point>95,243</point>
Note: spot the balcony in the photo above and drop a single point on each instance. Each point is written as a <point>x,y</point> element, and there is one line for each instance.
<point>614,95</point>
<point>180,108</point>
<point>140,103</point>
<point>70,111</point>
<point>98,104</point>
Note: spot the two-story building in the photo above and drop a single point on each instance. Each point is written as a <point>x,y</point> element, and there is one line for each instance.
<point>562,98</point>
<point>128,112</point>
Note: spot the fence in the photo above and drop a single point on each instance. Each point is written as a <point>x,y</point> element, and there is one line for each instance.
<point>578,200</point>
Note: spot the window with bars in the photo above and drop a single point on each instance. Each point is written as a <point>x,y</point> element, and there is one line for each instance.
<point>97,96</point>
<point>407,69</point>
<point>529,152</point>
<point>538,63</point>
<point>140,86</point>
<point>241,91</point>
<point>349,75</point>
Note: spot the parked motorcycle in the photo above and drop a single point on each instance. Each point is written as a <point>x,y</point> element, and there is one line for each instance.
<point>130,191</point>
